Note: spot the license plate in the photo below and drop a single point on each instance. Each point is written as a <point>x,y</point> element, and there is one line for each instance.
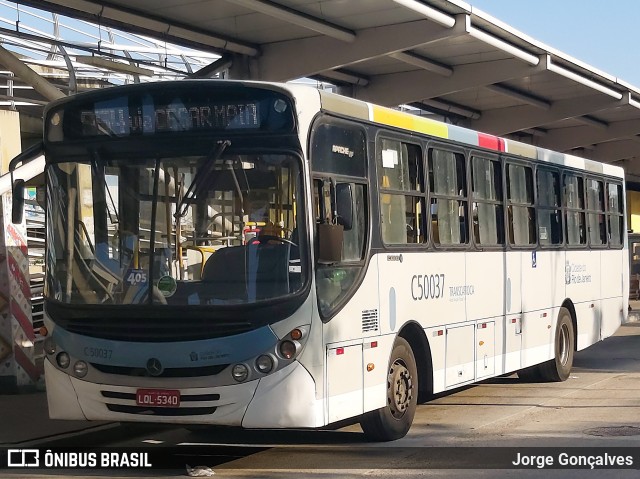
<point>158,397</point>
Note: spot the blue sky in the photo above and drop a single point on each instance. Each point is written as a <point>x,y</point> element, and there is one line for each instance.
<point>602,33</point>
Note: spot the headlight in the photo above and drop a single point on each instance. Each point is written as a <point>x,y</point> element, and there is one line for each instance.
<point>287,349</point>
<point>264,364</point>
<point>63,360</point>
<point>240,372</point>
<point>80,369</point>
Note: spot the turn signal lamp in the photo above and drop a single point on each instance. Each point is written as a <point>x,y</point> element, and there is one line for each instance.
<point>296,334</point>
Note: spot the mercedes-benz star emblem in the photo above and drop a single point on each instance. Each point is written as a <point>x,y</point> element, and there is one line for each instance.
<point>154,367</point>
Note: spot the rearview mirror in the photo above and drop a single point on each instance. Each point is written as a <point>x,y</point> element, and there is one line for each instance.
<point>17,205</point>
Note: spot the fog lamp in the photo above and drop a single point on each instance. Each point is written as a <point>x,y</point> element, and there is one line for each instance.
<point>264,364</point>
<point>240,372</point>
<point>81,369</point>
<point>63,360</point>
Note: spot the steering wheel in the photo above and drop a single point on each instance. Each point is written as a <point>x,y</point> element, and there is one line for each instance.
<point>263,239</point>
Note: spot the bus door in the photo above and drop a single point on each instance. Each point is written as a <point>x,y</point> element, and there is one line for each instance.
<point>521,239</point>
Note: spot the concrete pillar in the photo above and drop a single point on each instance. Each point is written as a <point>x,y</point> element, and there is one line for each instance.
<point>242,68</point>
<point>633,211</point>
<point>18,370</point>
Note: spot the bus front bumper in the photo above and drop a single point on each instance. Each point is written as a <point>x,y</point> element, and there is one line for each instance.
<point>283,399</point>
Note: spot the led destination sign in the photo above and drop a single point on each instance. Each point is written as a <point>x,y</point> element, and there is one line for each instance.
<point>183,110</point>
<point>139,120</point>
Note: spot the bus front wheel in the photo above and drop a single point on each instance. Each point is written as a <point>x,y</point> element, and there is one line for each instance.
<point>393,421</point>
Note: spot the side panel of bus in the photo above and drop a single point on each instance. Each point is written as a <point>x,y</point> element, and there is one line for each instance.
<point>512,345</point>
<point>485,302</point>
<point>611,264</point>
<point>542,294</point>
<point>582,268</point>
<point>430,290</point>
<point>348,336</point>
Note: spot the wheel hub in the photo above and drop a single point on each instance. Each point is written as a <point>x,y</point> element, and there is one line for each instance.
<point>400,387</point>
<point>564,344</point>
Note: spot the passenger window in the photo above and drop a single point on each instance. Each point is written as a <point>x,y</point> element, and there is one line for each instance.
<point>520,209</point>
<point>549,212</point>
<point>615,218</point>
<point>488,218</point>
<point>402,202</point>
<point>575,222</point>
<point>335,281</point>
<point>595,213</point>
<point>448,205</point>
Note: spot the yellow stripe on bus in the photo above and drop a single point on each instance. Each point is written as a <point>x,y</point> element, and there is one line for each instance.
<point>390,117</point>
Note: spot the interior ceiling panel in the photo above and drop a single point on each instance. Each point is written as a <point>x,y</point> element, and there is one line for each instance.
<point>437,50</point>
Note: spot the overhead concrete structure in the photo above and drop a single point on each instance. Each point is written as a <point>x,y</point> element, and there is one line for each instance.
<point>440,55</point>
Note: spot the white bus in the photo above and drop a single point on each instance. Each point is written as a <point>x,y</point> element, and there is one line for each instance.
<point>274,256</point>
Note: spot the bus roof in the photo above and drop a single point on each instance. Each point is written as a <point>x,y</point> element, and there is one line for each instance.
<point>361,110</point>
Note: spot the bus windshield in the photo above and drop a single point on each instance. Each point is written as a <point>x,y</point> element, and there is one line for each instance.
<point>209,230</point>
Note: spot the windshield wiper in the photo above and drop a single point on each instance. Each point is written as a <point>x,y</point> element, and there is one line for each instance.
<point>201,178</point>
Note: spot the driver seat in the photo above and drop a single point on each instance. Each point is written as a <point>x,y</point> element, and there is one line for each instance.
<point>252,272</point>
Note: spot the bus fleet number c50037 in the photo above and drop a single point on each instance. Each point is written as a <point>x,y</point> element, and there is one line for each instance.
<point>427,286</point>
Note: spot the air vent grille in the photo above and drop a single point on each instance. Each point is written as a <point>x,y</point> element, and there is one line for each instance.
<point>369,320</point>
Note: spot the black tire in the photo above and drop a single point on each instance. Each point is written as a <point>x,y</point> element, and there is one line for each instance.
<point>394,420</point>
<point>559,368</point>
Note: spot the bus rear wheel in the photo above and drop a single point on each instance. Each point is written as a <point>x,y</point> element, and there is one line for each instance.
<point>394,420</point>
<point>557,369</point>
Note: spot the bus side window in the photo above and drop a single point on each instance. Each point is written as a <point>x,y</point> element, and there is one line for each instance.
<point>549,212</point>
<point>595,213</point>
<point>448,205</point>
<point>615,219</point>
<point>354,237</point>
<point>488,222</point>
<point>334,281</point>
<point>522,231</point>
<point>402,200</point>
<point>575,224</point>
